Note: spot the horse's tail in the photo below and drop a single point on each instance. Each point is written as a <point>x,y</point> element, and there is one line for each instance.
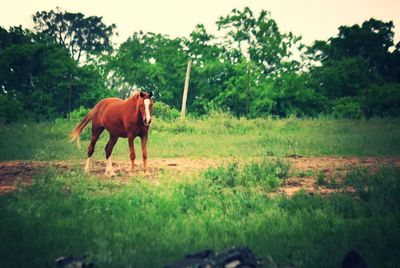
<point>76,133</point>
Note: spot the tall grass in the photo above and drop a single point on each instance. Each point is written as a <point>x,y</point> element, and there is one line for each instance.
<point>216,136</point>
<point>140,224</point>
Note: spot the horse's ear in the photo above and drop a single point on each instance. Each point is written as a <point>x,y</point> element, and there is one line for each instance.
<point>142,94</point>
<point>151,94</point>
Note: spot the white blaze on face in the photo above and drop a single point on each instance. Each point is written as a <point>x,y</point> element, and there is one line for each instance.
<point>147,110</point>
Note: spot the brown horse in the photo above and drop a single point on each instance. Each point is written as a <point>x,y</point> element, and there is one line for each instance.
<point>128,118</point>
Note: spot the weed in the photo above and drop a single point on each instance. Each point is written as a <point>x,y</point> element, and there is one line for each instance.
<point>305,173</point>
<point>267,174</point>
<point>321,178</point>
<point>332,184</point>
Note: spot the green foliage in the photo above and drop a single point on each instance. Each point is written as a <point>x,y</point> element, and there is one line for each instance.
<point>259,37</point>
<point>268,174</point>
<point>291,96</point>
<point>358,70</point>
<point>382,100</point>
<point>177,126</point>
<point>305,173</point>
<point>81,36</point>
<point>347,107</point>
<point>152,62</point>
<point>10,109</point>
<point>237,96</point>
<point>341,78</point>
<point>370,42</point>
<point>164,111</point>
<point>321,178</point>
<point>35,75</point>
<point>252,71</point>
<point>78,114</point>
<point>223,176</point>
<point>42,81</point>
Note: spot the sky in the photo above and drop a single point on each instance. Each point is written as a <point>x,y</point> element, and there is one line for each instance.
<point>312,19</point>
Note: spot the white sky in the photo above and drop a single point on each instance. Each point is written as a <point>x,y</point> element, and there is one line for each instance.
<point>313,19</point>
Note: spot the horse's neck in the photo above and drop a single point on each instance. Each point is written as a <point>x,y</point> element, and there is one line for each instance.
<point>133,108</point>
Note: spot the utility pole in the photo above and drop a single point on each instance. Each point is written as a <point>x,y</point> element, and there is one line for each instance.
<point>185,90</point>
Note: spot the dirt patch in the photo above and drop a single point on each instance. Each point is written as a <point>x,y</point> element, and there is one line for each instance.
<point>306,171</point>
<point>304,174</point>
<point>15,174</point>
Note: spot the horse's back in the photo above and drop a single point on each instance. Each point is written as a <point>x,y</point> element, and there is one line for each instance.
<point>107,104</point>
<point>108,101</point>
<point>108,113</point>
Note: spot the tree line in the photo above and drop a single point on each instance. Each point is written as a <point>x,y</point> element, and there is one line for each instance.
<point>250,68</point>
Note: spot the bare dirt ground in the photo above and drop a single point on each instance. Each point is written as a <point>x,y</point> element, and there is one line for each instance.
<point>304,170</point>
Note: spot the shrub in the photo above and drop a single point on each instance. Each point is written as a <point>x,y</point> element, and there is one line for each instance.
<point>78,114</point>
<point>225,176</point>
<point>10,109</point>
<point>382,100</point>
<point>165,112</point>
<point>175,127</point>
<point>347,107</point>
<point>268,174</point>
<point>321,178</point>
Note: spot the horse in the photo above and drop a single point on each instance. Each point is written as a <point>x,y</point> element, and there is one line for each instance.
<point>128,118</point>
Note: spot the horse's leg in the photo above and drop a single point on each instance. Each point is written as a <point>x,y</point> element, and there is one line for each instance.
<point>109,147</point>
<point>144,153</point>
<point>132,152</point>
<point>95,136</point>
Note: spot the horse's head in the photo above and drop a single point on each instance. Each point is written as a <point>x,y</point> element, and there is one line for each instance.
<point>146,107</point>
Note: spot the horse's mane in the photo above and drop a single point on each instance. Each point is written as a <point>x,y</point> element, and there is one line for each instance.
<point>135,92</point>
<point>134,95</point>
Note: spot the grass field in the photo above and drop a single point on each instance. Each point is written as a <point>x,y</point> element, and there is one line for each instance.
<point>149,223</point>
<point>214,137</point>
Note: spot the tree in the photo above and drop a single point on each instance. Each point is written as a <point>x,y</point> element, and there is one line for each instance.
<point>209,71</point>
<point>81,36</point>
<point>40,80</point>
<point>357,71</point>
<point>201,46</point>
<point>259,39</point>
<point>371,42</point>
<point>36,75</point>
<point>341,78</point>
<point>151,62</point>
<point>238,93</point>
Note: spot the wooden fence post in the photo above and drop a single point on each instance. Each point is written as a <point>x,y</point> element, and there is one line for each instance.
<point>185,90</point>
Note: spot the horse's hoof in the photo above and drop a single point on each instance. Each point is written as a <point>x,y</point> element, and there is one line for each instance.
<point>147,174</point>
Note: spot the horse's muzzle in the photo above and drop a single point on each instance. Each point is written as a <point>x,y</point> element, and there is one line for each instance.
<point>146,124</point>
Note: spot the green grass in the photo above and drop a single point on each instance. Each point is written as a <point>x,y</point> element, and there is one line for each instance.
<point>141,224</point>
<point>214,137</point>
<point>321,178</point>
